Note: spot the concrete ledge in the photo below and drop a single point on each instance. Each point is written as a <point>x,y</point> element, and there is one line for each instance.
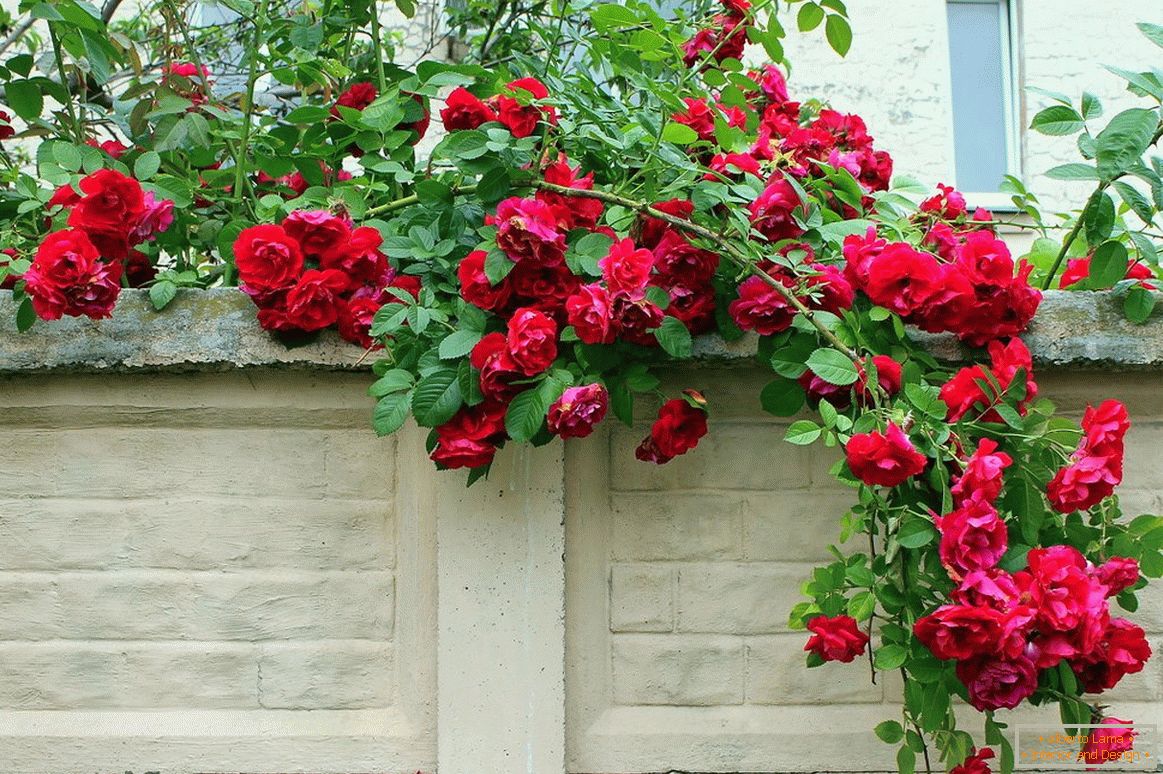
<point>208,330</point>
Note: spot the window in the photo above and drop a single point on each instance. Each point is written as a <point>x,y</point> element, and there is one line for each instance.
<point>982,61</point>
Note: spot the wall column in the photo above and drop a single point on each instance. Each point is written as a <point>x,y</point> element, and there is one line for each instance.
<point>501,616</point>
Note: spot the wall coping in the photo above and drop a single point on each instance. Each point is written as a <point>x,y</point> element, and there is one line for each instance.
<point>216,330</point>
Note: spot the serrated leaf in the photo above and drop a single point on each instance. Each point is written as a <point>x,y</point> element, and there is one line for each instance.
<point>809,17</point>
<point>437,398</point>
<point>679,134</point>
<point>147,165</point>
<point>458,344</point>
<point>1109,264</point>
<point>1074,171</point>
<point>839,34</point>
<point>1057,121</point>
<point>396,380</point>
<point>674,337</point>
<point>525,416</point>
<point>1153,32</point>
<point>782,398</point>
<point>861,605</point>
<point>889,657</point>
<point>1139,304</point>
<point>1135,199</point>
<point>390,412</point>
<point>916,533</point>
<point>162,293</point>
<point>802,432</point>
<point>833,366</point>
<point>1124,140</point>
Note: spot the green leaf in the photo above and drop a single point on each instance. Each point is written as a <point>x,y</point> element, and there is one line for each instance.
<point>802,432</point>
<point>610,16</point>
<point>396,380</point>
<point>390,412</point>
<point>1091,106</point>
<point>1075,171</point>
<point>906,760</point>
<point>926,399</point>
<point>782,397</point>
<point>24,97</point>
<point>1109,264</point>
<point>458,344</point>
<point>1099,217</point>
<point>1124,140</point>
<point>147,165</point>
<point>1139,304</point>
<point>674,337</point>
<point>809,17</point>
<point>306,37</point>
<point>162,293</point>
<point>437,398</point>
<point>308,114</point>
<point>861,605</point>
<point>832,366</point>
<point>25,315</point>
<point>463,144</point>
<point>889,657</point>
<point>1153,32</point>
<point>1057,120</point>
<point>1135,199</point>
<point>839,34</point>
<point>525,416</point>
<point>679,134</point>
<point>916,533</point>
<point>890,731</point>
<point>497,266</point>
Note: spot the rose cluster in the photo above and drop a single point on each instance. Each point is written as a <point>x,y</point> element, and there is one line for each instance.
<point>527,283</point>
<point>1096,467</point>
<point>724,39</point>
<point>512,108</point>
<point>315,270</point>
<point>79,270</point>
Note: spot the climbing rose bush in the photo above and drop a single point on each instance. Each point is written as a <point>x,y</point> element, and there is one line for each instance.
<point>584,217</point>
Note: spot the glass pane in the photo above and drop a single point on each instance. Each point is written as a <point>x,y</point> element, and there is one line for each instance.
<point>977,62</point>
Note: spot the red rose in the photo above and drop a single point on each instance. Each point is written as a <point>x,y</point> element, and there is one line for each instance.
<point>1068,600</point>
<point>589,311</point>
<point>651,229</point>
<point>267,258</point>
<point>521,120</point>
<point>859,251</point>
<point>470,439</point>
<point>544,288</point>
<point>996,683</point>
<point>888,377</point>
<point>1108,745</point>
<point>157,218</point>
<point>771,82</point>
<point>532,341</point>
<point>1105,428</point>
<point>887,459</point>
<point>355,320</point>
<point>527,231</point>
<point>498,371</point>
<point>1122,650</point>
<point>625,268</point>
<point>948,203</point>
<point>964,393</point>
<point>320,234</point>
<point>310,305</point>
<point>836,639</point>
<point>578,411</point>
<point>678,261</point>
<point>359,258</point>
<point>830,289</point>
<point>676,431</point>
<point>975,763</point>
<point>139,271</point>
<point>10,278</point>
<point>961,631</point>
<point>65,196</point>
<point>409,283</point>
<point>1118,574</point>
<point>475,286</point>
<point>6,129</point>
<point>693,306</point>
<point>982,477</point>
<point>637,319</point>
<point>357,97</point>
<point>973,537</point>
<point>113,148</point>
<point>1084,483</point>
<point>903,279</point>
<point>761,308</point>
<point>771,212</point>
<point>570,211</point>
<point>728,165</point>
<point>111,207</point>
<point>67,277</point>
<point>699,116</point>
<point>464,111</point>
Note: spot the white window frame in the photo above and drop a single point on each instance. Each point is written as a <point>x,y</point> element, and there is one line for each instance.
<point>1012,105</point>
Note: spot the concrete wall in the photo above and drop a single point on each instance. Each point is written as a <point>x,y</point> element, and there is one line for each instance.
<point>226,571</point>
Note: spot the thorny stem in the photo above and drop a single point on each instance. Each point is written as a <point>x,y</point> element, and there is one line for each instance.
<point>407,201</point>
<point>381,77</point>
<point>733,253</point>
<point>871,559</point>
<point>248,108</point>
<point>1074,232</point>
